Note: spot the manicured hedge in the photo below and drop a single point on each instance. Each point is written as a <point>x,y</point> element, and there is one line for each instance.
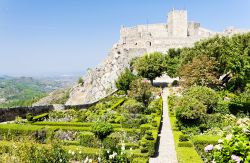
<point>118,103</point>
<point>88,139</point>
<point>184,154</point>
<point>40,117</point>
<point>201,141</point>
<point>75,124</point>
<point>185,144</point>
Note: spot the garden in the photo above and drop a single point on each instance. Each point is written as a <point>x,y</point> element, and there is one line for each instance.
<point>119,128</point>
<point>210,106</point>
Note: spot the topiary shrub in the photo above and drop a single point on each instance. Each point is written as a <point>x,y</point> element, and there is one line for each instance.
<point>112,140</point>
<point>40,117</point>
<point>183,138</point>
<point>185,144</point>
<point>149,135</point>
<point>145,127</point>
<point>88,139</point>
<point>102,130</point>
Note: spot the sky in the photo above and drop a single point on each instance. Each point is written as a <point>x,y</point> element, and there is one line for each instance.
<point>65,37</point>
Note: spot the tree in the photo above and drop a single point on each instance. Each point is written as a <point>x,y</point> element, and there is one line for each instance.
<point>231,53</point>
<point>140,90</point>
<point>201,71</point>
<point>124,80</point>
<point>150,66</point>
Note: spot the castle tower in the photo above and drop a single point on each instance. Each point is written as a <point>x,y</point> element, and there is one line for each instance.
<point>177,23</point>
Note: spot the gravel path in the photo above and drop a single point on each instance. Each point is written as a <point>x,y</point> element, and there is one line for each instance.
<point>166,152</point>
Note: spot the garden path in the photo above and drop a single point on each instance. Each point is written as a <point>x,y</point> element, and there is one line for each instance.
<point>166,152</point>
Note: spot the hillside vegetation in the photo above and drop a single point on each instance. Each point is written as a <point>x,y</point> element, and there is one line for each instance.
<point>24,91</point>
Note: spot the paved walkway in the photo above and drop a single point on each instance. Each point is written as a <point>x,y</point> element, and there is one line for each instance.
<point>166,152</point>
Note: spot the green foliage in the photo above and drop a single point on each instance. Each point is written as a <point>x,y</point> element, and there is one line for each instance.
<point>184,154</point>
<point>80,81</point>
<point>124,80</point>
<point>183,138</point>
<point>233,147</point>
<point>172,62</point>
<point>185,144</point>
<point>141,91</point>
<point>102,130</point>
<point>231,54</point>
<point>155,106</point>
<point>40,117</point>
<point>88,139</point>
<point>29,117</point>
<point>150,66</point>
<point>112,140</point>
<point>24,91</point>
<point>241,103</point>
<point>190,110</point>
<point>205,95</point>
<point>118,103</point>
<point>133,106</point>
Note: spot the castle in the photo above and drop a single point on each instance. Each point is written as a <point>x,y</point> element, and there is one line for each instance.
<point>177,32</point>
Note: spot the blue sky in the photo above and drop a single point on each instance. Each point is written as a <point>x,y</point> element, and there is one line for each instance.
<point>52,37</point>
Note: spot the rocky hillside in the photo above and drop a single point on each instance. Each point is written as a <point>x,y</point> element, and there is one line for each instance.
<point>100,82</point>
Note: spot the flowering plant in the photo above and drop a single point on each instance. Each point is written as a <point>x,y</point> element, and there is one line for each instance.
<point>233,147</point>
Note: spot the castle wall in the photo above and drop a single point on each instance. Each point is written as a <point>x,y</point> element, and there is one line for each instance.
<point>193,29</point>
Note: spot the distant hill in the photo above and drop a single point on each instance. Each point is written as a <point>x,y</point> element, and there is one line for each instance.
<point>21,91</point>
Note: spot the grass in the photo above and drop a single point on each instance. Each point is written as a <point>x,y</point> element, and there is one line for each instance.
<point>184,154</point>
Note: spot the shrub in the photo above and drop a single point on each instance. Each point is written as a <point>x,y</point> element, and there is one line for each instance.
<point>80,81</point>
<point>88,139</point>
<point>145,127</point>
<point>183,138</point>
<point>203,140</point>
<point>29,117</point>
<point>112,140</point>
<point>40,117</point>
<point>233,147</point>
<point>139,160</point>
<point>185,144</point>
<point>154,107</point>
<point>133,106</point>
<point>205,95</point>
<point>102,130</point>
<point>190,111</point>
<point>118,103</point>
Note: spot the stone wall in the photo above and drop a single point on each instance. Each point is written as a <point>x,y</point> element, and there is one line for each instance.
<point>9,114</point>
